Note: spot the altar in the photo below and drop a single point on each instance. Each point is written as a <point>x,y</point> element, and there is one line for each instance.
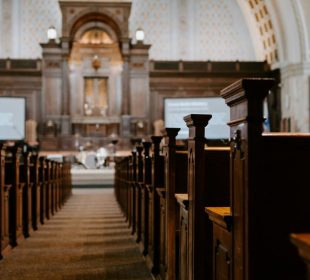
<point>90,178</point>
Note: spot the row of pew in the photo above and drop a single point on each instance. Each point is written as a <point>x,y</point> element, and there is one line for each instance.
<point>32,189</point>
<point>223,212</point>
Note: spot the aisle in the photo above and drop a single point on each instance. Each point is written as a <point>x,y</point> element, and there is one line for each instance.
<point>87,239</point>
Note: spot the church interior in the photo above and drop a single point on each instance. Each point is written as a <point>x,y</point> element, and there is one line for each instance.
<point>144,139</point>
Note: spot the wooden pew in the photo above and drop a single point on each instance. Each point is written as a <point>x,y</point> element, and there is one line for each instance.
<point>175,182</point>
<point>133,179</point>
<point>222,241</point>
<point>12,178</point>
<point>66,180</point>
<point>53,187</point>
<point>269,196</point>
<point>34,180</point>
<point>48,188</point>
<point>23,179</point>
<point>122,185</point>
<point>57,186</point>
<point>269,200</point>
<point>27,189</point>
<point>302,242</point>
<point>127,181</point>
<point>146,180</point>
<point>182,199</point>
<point>118,180</point>
<point>156,182</point>
<point>138,194</point>
<point>158,221</point>
<point>4,199</point>
<point>42,182</point>
<point>208,185</point>
<point>127,185</point>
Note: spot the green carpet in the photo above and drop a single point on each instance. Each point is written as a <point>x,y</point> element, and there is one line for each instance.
<point>86,239</point>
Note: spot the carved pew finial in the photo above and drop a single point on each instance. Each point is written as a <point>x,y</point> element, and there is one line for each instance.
<point>169,150</point>
<point>246,97</point>
<point>196,193</point>
<point>157,182</point>
<point>147,163</point>
<point>196,124</point>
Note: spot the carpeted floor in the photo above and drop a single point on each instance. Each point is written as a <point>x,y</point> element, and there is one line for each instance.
<point>86,239</point>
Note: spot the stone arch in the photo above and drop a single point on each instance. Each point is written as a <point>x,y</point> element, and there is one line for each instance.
<point>88,18</point>
<point>93,25</point>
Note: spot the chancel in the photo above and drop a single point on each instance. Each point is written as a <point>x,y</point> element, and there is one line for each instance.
<point>144,139</point>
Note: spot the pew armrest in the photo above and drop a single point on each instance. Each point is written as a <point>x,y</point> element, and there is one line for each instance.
<point>7,187</point>
<point>220,215</point>
<point>149,188</point>
<point>182,199</point>
<point>302,242</point>
<point>161,192</point>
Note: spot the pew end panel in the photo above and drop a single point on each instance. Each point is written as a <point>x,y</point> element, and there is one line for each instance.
<point>170,153</point>
<point>265,211</point>
<point>208,185</point>
<point>285,199</point>
<point>12,177</point>
<point>35,194</point>
<point>222,242</point>
<point>42,183</point>
<point>3,202</point>
<point>182,200</point>
<point>302,242</point>
<point>157,181</point>
<point>162,227</point>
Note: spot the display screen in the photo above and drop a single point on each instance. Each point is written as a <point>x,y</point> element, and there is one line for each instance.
<point>177,108</point>
<point>12,118</point>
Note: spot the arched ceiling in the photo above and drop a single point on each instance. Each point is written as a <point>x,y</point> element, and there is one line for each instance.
<point>261,29</point>
<point>291,24</point>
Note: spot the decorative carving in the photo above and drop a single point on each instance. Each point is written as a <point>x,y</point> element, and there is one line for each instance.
<point>237,140</point>
<point>53,64</point>
<point>137,65</point>
<point>96,62</point>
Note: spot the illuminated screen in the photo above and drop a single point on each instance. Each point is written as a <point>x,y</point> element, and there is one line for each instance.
<point>177,108</point>
<point>12,118</point>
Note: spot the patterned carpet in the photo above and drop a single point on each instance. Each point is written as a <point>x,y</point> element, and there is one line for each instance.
<point>87,239</point>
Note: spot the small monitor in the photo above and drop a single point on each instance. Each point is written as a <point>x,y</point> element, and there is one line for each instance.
<point>12,118</point>
<point>177,108</point>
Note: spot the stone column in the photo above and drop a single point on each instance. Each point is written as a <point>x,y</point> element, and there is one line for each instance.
<point>295,92</point>
<point>125,77</point>
<point>52,82</point>
<point>55,85</point>
<point>65,113</point>
<point>139,99</point>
